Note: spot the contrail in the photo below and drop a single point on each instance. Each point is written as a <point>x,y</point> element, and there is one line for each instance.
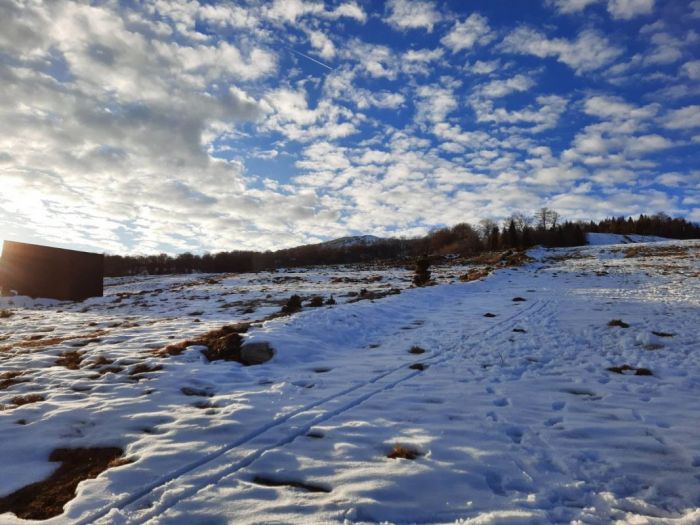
<point>310,58</point>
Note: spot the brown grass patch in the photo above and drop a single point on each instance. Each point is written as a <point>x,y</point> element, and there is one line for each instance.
<point>7,379</point>
<point>45,499</point>
<point>5,313</point>
<point>618,322</point>
<point>404,452</point>
<point>26,399</point>
<point>144,368</point>
<point>70,359</point>
<point>207,339</point>
<point>417,350</point>
<point>474,275</point>
<point>656,251</point>
<point>51,341</point>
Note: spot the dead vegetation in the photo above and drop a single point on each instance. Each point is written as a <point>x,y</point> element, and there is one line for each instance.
<point>404,452</point>
<point>12,377</point>
<point>70,359</point>
<point>618,322</point>
<point>45,499</point>
<point>226,344</point>
<point>417,350</point>
<point>518,299</point>
<point>31,342</point>
<point>662,334</point>
<point>26,399</point>
<point>475,274</point>
<point>5,313</point>
<point>630,370</point>
<point>656,251</point>
<point>418,366</point>
<point>371,295</point>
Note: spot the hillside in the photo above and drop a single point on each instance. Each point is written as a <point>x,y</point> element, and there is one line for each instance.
<point>564,390</point>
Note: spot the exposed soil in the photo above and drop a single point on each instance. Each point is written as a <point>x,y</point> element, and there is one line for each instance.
<point>618,322</point>
<point>45,499</point>
<point>417,350</point>
<point>519,299</point>
<point>269,482</point>
<point>489,314</point>
<point>624,369</point>
<point>418,366</point>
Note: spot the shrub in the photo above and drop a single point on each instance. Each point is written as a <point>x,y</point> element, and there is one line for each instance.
<point>293,305</point>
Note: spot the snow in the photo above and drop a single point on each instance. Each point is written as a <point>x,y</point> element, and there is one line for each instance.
<point>598,239</point>
<point>522,426</point>
<point>357,240</point>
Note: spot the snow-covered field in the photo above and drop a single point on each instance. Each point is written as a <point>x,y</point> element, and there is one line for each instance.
<point>515,416</point>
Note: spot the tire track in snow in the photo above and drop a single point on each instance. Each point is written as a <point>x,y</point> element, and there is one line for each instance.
<point>308,416</point>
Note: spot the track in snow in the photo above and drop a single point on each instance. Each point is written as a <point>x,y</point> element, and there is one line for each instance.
<point>160,495</point>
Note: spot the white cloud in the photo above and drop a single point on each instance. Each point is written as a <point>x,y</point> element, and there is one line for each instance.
<point>588,52</point>
<point>683,118</point>
<point>691,69</point>
<point>626,9</point>
<point>502,88</point>
<point>465,35</point>
<point>412,14</point>
<point>571,6</point>
<point>620,9</point>
<point>322,44</point>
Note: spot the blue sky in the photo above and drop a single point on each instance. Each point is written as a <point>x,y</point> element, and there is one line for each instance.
<point>140,127</point>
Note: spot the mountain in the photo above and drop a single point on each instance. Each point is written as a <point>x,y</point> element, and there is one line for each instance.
<point>357,240</point>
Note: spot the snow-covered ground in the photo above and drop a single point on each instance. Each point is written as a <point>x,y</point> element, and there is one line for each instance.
<point>516,415</point>
<point>598,239</point>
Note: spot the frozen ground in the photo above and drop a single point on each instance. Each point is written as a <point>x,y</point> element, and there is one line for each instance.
<point>516,417</point>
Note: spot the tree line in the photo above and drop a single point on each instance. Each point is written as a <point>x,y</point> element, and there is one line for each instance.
<point>519,231</point>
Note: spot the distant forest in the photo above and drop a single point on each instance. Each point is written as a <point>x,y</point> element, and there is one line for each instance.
<point>519,232</point>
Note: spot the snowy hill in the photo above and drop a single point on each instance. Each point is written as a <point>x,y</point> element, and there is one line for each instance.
<point>358,240</point>
<point>600,239</point>
<point>563,391</point>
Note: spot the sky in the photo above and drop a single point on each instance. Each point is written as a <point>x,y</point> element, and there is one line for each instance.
<point>183,125</point>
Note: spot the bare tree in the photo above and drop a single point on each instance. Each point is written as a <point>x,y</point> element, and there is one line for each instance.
<point>546,218</point>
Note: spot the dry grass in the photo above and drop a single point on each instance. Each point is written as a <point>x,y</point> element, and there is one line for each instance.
<point>45,499</point>
<point>5,313</point>
<point>618,322</point>
<point>404,452</point>
<point>26,399</point>
<point>70,359</point>
<point>474,275</point>
<point>656,251</point>
<point>417,350</point>
<point>30,342</point>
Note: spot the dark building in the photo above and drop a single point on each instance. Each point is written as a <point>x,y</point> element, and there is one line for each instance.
<point>41,271</point>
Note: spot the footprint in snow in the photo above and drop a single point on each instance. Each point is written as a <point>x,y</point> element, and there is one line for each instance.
<point>501,402</point>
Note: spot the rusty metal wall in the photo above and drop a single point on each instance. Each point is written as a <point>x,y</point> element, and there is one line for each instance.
<point>42,271</point>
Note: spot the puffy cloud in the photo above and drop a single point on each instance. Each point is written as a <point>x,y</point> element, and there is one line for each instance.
<point>683,118</point>
<point>620,9</point>
<point>588,52</point>
<point>502,88</point>
<point>626,9</point>
<point>412,14</point>
<point>465,35</point>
